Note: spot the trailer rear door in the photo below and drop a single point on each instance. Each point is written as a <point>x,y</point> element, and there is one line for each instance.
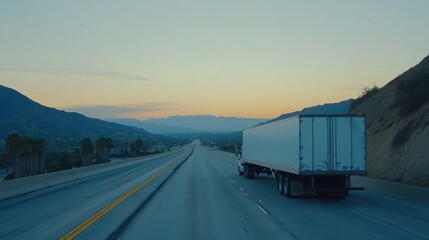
<point>332,143</point>
<point>314,144</point>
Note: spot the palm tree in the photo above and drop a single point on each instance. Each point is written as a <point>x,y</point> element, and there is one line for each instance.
<point>77,157</point>
<point>87,151</point>
<point>38,155</point>
<point>137,147</point>
<point>103,146</point>
<point>13,148</point>
<point>33,156</point>
<point>26,154</point>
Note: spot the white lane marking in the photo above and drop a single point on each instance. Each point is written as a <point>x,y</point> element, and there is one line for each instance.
<point>232,181</point>
<point>262,209</point>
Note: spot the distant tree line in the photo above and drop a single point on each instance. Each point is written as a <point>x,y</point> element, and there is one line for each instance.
<point>81,156</point>
<point>27,156</point>
<point>228,142</point>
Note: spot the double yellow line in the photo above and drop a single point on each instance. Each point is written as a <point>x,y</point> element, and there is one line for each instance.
<point>91,220</point>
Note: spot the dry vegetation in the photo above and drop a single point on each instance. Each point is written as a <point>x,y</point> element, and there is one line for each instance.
<point>397,127</point>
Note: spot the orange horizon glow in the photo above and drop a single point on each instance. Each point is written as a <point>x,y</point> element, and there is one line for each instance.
<point>256,59</point>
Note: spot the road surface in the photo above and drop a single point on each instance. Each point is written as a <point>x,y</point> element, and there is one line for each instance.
<point>204,198</point>
<point>200,202</point>
<point>207,199</point>
<point>53,212</point>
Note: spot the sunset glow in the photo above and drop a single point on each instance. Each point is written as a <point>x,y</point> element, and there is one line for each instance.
<point>259,59</point>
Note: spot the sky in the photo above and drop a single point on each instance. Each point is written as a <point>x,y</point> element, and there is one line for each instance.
<point>248,58</point>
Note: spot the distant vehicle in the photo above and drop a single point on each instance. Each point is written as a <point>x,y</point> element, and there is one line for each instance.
<point>307,153</point>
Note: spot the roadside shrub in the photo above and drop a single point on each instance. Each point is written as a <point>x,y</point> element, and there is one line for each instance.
<point>8,177</point>
<point>367,92</point>
<point>65,161</point>
<point>412,93</point>
<point>77,163</point>
<point>3,161</point>
<point>403,135</point>
<point>51,167</point>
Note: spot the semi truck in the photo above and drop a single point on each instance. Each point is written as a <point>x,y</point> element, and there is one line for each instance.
<point>308,154</point>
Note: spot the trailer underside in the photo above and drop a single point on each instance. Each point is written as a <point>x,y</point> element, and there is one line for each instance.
<point>294,185</point>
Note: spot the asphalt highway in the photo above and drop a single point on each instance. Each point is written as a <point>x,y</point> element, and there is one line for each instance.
<point>202,197</point>
<point>200,202</point>
<point>53,212</point>
<point>207,199</point>
<point>362,215</point>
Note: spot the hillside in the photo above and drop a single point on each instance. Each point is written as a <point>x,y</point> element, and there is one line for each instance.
<point>329,108</point>
<point>22,115</point>
<point>209,124</point>
<point>397,127</point>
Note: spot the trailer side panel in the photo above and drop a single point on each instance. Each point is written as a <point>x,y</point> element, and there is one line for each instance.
<point>275,145</point>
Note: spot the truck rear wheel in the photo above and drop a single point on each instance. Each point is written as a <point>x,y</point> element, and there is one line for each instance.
<point>288,190</point>
<point>340,194</point>
<point>280,179</point>
<point>249,172</point>
<point>239,171</point>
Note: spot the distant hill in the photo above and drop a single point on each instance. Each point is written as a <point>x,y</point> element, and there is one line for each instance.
<point>152,127</point>
<point>205,123</point>
<point>329,108</point>
<point>22,115</point>
<point>398,127</point>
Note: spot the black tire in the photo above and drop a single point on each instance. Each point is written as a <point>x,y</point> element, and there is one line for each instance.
<point>280,184</point>
<point>288,190</point>
<point>340,194</point>
<point>251,173</point>
<point>321,194</point>
<point>240,172</point>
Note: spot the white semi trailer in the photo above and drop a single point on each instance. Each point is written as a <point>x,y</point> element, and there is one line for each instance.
<point>307,153</point>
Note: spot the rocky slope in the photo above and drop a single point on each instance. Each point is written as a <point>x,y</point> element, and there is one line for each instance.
<point>397,127</point>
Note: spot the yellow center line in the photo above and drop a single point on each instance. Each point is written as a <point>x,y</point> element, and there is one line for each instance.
<point>92,219</point>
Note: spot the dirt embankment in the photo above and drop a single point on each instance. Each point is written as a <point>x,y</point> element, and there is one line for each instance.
<point>398,128</point>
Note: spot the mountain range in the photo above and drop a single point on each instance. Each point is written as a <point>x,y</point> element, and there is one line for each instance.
<point>212,124</point>
<point>328,108</point>
<point>152,127</point>
<point>191,124</point>
<point>24,116</point>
